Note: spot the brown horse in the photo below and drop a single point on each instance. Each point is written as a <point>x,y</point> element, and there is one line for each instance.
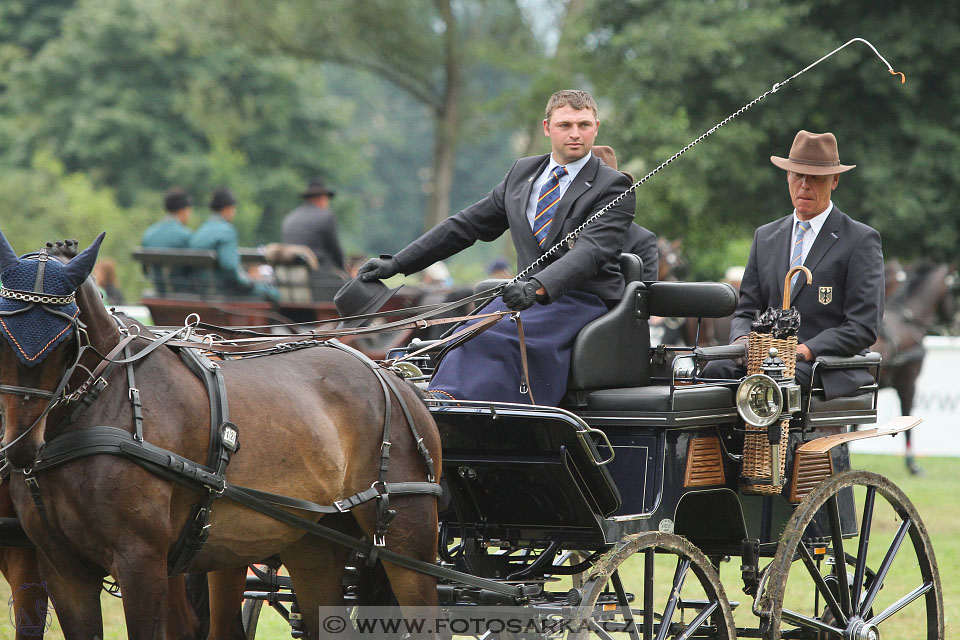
<point>310,424</point>
<point>28,603</point>
<point>922,296</point>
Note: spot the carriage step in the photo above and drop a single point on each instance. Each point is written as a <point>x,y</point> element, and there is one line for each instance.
<point>697,605</point>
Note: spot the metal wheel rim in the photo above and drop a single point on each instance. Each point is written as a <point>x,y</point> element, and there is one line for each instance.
<point>788,550</point>
<point>700,566</point>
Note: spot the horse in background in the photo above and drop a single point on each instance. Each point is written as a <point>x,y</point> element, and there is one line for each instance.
<point>672,267</point>
<point>916,299</point>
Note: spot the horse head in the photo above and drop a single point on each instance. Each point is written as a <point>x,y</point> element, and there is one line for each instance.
<point>672,265</point>
<point>39,320</point>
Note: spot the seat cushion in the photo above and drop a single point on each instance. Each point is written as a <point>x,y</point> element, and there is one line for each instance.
<point>860,400</point>
<point>657,398</point>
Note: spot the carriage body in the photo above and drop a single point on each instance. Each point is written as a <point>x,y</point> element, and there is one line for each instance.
<point>643,459</point>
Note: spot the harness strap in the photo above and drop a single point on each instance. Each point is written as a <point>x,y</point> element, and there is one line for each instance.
<point>524,366</point>
<point>110,440</point>
<point>134,394</point>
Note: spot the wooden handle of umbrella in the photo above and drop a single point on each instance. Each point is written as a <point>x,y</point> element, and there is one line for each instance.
<point>786,283</point>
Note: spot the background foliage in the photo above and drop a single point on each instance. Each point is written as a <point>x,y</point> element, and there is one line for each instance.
<point>106,103</point>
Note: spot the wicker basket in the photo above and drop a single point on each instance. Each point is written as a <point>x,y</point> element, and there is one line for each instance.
<point>756,469</point>
<point>756,460</point>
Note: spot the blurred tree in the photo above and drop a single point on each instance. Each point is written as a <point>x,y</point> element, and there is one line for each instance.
<point>675,69</point>
<point>129,96</point>
<point>44,199</point>
<point>440,53</point>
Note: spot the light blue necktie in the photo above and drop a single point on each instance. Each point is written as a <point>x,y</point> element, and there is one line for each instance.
<point>797,258</point>
<point>547,204</point>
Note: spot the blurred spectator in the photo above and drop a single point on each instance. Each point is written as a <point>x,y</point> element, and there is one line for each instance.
<point>172,231</point>
<point>105,273</point>
<point>437,276</point>
<point>499,269</point>
<point>218,234</point>
<point>314,225</point>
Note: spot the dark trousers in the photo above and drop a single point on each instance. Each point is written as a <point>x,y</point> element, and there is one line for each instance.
<point>488,367</point>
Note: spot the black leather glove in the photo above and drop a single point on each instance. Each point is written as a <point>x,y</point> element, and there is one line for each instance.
<point>521,295</point>
<point>379,269</point>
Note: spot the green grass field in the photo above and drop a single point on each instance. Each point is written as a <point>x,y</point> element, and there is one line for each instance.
<point>936,497</point>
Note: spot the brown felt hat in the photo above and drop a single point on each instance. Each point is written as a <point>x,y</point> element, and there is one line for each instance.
<point>609,157</point>
<point>814,154</point>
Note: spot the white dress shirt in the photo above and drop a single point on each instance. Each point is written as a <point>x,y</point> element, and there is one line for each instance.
<point>816,223</point>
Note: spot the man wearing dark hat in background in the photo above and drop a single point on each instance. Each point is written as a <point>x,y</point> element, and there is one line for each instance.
<point>640,241</point>
<point>171,232</point>
<point>314,225</point>
<point>841,310</point>
<point>217,233</point>
<point>541,200</point>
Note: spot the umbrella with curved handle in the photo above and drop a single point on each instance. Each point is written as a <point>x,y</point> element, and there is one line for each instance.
<point>786,282</point>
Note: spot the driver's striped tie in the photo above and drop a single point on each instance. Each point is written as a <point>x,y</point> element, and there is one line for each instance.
<point>797,258</point>
<point>547,204</point>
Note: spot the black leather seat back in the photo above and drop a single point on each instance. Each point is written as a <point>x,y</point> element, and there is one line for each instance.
<point>614,350</point>
<point>692,299</point>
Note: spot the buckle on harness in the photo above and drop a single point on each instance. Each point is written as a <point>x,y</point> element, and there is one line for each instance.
<point>378,540</point>
<point>341,507</point>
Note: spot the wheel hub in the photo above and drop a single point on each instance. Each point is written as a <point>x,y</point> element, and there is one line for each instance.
<point>861,630</point>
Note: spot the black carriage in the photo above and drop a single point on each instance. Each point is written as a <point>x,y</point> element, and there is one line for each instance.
<point>615,513</point>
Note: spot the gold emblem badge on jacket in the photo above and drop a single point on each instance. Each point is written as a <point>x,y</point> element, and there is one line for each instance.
<point>826,295</point>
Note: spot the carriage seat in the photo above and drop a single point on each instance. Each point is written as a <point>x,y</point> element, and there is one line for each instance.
<point>858,407</point>
<point>604,383</point>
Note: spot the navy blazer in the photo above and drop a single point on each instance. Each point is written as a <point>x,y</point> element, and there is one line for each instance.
<point>841,310</point>
<point>643,243</point>
<point>591,264</point>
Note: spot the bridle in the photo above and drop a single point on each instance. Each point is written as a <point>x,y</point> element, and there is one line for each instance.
<point>45,300</point>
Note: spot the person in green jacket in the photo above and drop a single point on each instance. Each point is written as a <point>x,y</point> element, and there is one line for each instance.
<point>171,233</point>
<point>218,234</point>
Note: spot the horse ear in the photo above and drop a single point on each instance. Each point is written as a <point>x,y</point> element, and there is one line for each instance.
<point>8,257</point>
<point>80,267</point>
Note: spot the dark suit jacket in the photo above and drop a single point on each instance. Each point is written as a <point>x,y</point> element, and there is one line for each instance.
<point>316,228</point>
<point>591,265</point>
<point>643,243</point>
<point>840,312</point>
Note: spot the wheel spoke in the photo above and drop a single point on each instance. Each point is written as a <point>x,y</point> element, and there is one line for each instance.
<point>901,603</point>
<point>683,565</point>
<point>625,606</point>
<point>865,525</point>
<point>821,585</point>
<point>840,558</point>
<point>648,566</point>
<point>697,622</point>
<point>885,567</point>
<point>600,631</point>
<point>810,623</point>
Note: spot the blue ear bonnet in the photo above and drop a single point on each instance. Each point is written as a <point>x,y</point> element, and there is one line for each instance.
<point>34,329</point>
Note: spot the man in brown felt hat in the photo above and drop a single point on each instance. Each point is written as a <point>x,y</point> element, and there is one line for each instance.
<point>841,310</point>
<point>314,225</point>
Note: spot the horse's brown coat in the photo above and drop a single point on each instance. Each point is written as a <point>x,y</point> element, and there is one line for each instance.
<point>310,426</point>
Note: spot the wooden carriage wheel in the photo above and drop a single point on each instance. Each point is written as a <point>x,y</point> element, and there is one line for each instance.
<point>665,600</point>
<point>891,585</point>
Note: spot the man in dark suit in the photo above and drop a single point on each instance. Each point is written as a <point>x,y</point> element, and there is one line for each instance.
<point>314,225</point>
<point>639,241</point>
<point>541,200</point>
<point>840,311</point>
